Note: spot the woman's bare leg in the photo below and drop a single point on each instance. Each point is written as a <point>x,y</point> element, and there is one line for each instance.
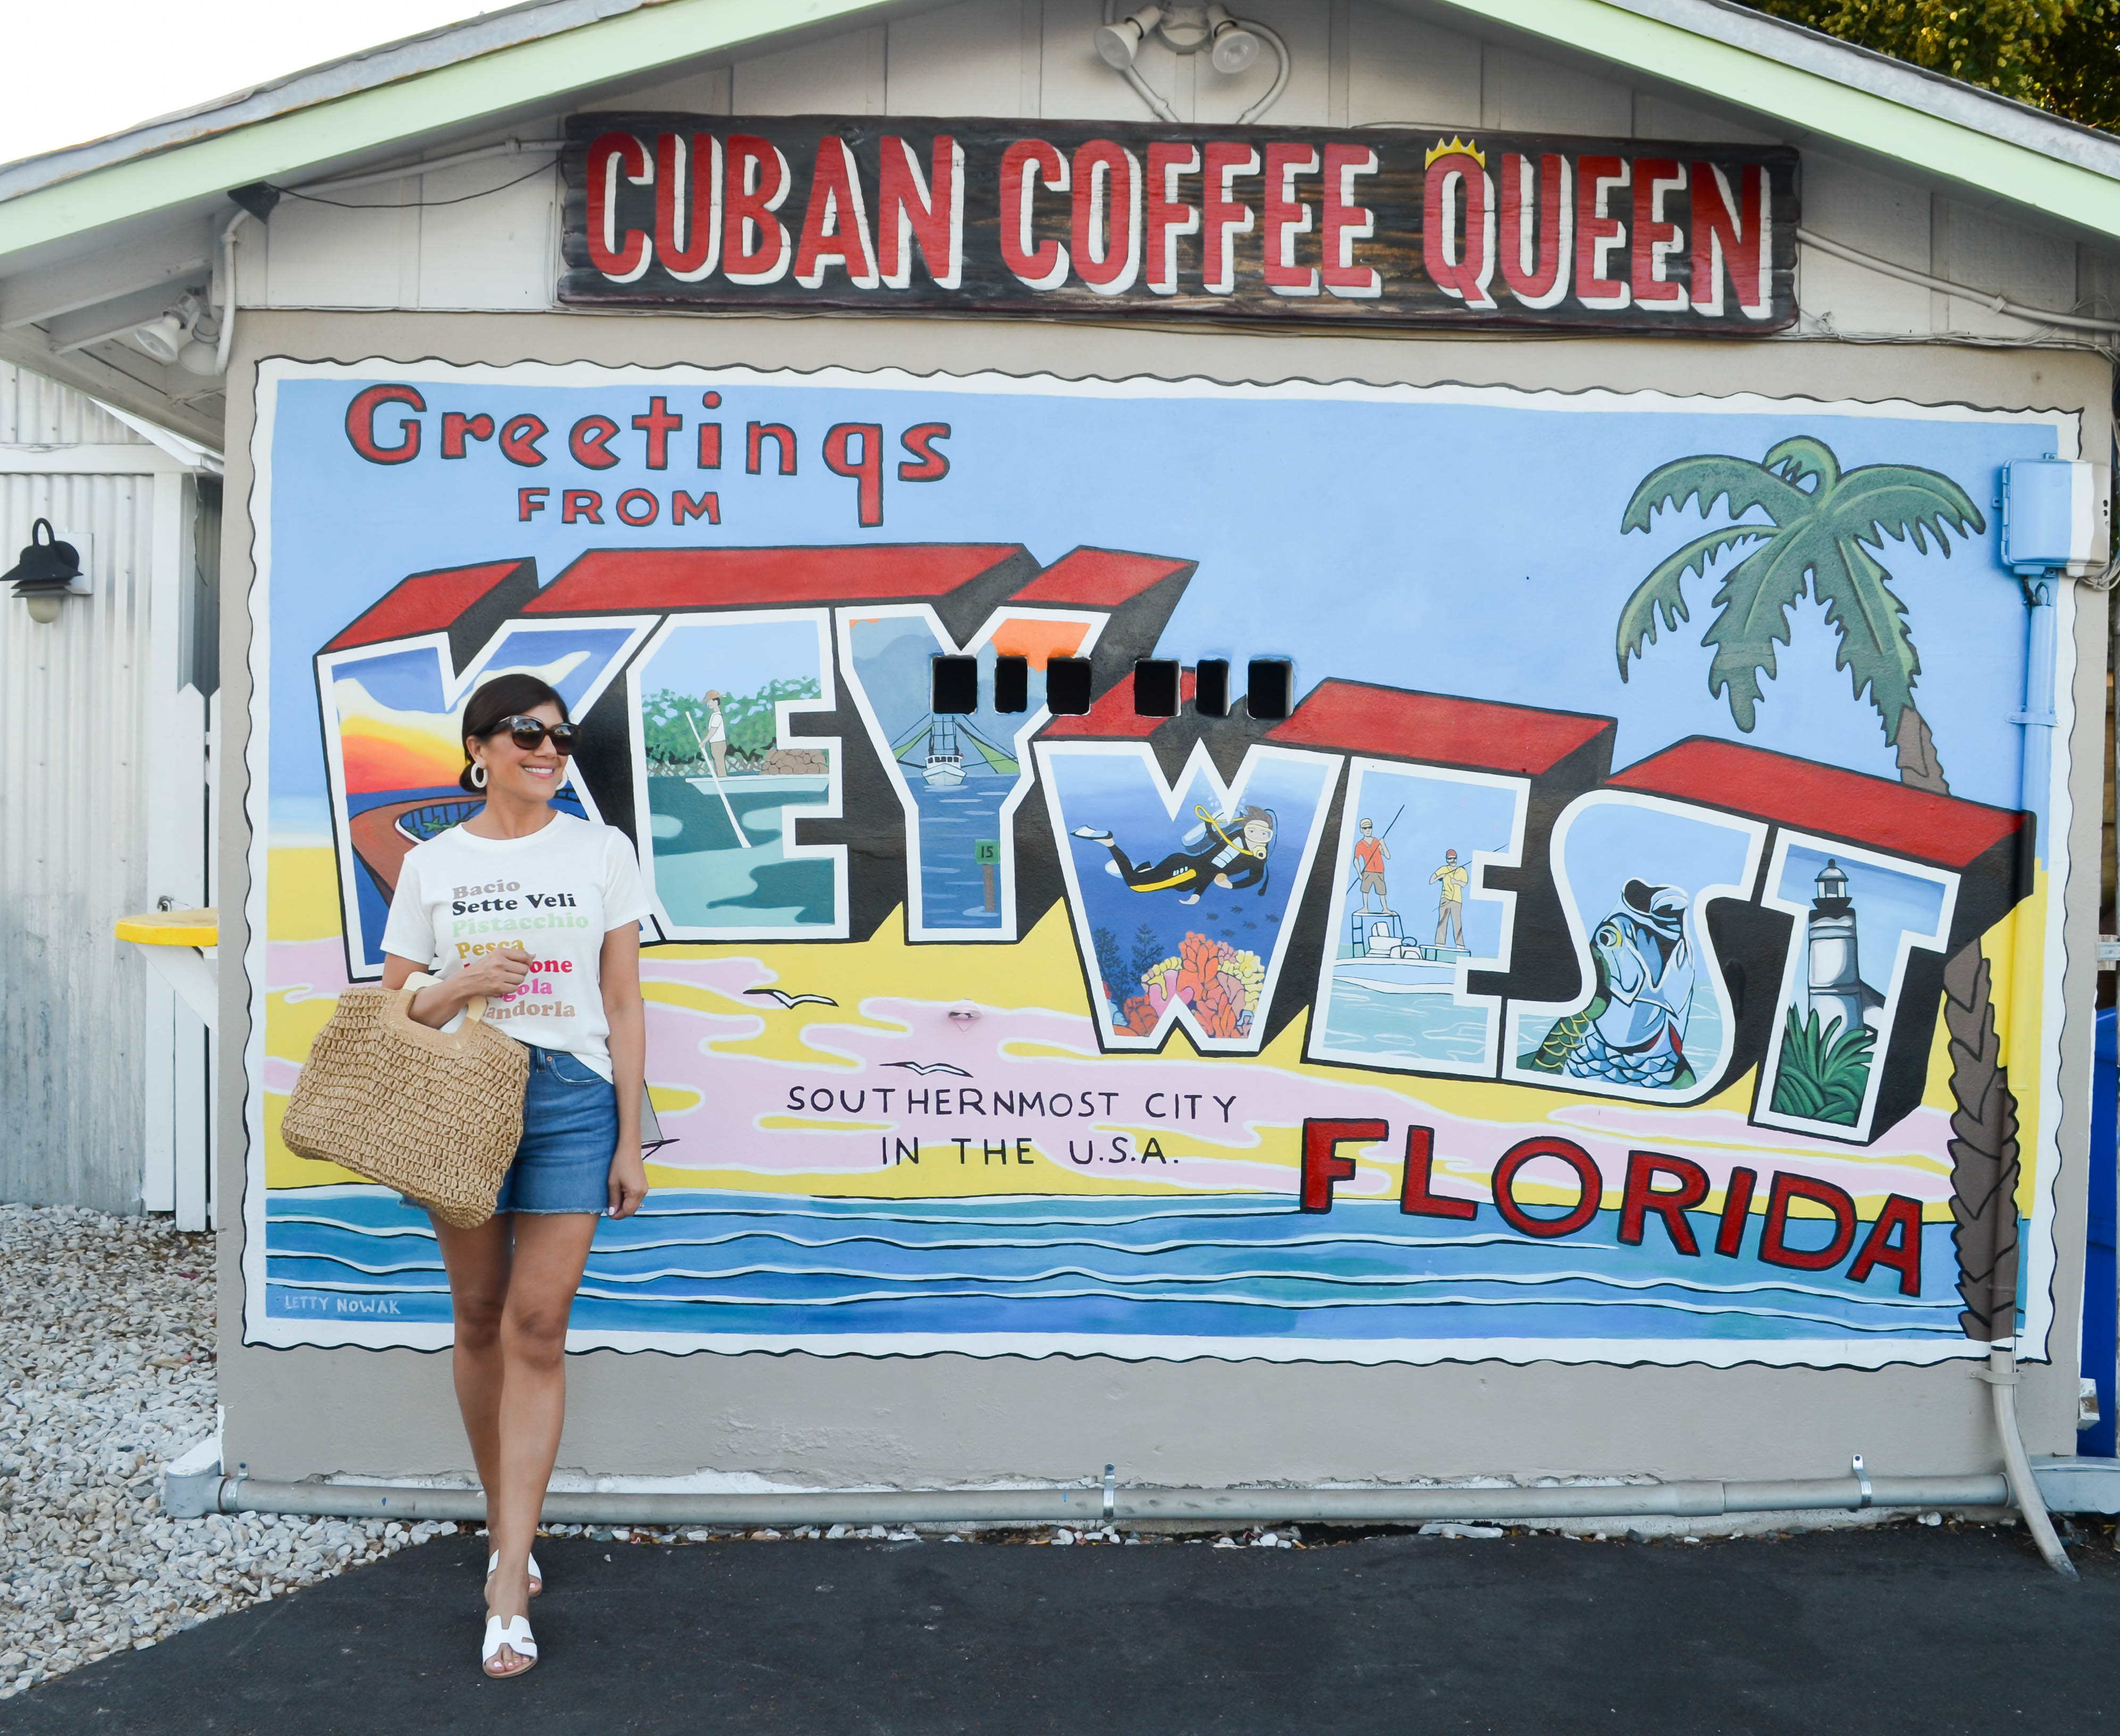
<point>478,1262</point>
<point>550,1250</point>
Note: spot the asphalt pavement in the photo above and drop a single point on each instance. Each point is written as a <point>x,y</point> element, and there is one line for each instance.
<point>1957,1628</point>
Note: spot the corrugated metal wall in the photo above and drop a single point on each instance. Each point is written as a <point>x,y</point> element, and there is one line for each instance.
<point>35,412</point>
<point>72,822</point>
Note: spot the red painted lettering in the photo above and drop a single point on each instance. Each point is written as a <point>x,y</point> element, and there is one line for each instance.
<point>1538,228</point>
<point>589,441</point>
<point>867,469</point>
<point>926,464</point>
<point>783,437</point>
<point>1283,216</point>
<point>1107,216</point>
<point>581,503</point>
<point>1656,240</point>
<point>1901,1218</point>
<point>360,423</point>
<point>1598,232</point>
<point>1041,265</point>
<point>1589,1183</point>
<point>1732,234</point>
<point>659,424</point>
<point>519,437</point>
<point>1222,214</point>
<point>1737,1208</point>
<point>683,506</point>
<point>1641,1196</point>
<point>688,204</point>
<point>1322,1165</point>
<point>911,208</point>
<point>1165,216</point>
<point>1416,1198</point>
<point>1458,194</point>
<point>621,259</point>
<point>456,428</point>
<point>835,229</point>
<point>1342,223</point>
<point>1774,1233</point>
<point>755,179</point>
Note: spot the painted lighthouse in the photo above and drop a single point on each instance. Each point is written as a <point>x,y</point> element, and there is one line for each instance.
<point>1835,982</point>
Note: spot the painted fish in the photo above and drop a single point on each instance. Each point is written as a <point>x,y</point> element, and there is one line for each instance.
<point>1633,1031</point>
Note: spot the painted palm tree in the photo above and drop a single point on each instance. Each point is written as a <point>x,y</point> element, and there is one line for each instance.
<point>1820,528</point>
<point>1822,524</point>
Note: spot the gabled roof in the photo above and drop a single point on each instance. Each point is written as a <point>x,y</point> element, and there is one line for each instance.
<point>485,67</point>
<point>546,49</point>
<point>95,229</point>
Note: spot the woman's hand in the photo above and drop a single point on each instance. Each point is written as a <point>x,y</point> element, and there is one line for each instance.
<point>628,1177</point>
<point>496,975</point>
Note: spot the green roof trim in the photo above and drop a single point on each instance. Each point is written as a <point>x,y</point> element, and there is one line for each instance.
<point>547,67</point>
<point>1810,102</point>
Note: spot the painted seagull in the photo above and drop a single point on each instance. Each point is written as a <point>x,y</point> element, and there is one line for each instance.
<point>786,1000</point>
<point>923,1068</point>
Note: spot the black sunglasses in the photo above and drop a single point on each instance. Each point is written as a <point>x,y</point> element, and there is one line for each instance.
<point>528,732</point>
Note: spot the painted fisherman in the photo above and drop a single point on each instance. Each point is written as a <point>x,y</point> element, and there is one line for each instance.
<point>1371,853</point>
<point>1233,856</point>
<point>717,733</point>
<point>1450,907</point>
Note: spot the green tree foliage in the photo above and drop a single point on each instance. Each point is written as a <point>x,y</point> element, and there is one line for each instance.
<point>749,718</point>
<point>2061,55</point>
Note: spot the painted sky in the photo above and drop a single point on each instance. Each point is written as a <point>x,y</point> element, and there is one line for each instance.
<point>1461,548</point>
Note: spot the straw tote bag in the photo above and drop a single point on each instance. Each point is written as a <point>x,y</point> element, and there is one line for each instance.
<point>436,1114</point>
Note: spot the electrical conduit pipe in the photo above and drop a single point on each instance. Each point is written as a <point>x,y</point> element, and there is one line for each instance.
<point>2035,776</point>
<point>1089,1505</point>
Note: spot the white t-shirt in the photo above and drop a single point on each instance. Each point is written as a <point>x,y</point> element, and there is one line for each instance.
<point>556,893</point>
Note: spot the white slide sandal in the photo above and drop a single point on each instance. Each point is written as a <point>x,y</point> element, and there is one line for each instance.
<point>536,1574</point>
<point>514,1634</point>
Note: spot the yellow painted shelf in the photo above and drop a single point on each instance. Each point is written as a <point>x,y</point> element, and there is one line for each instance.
<point>171,928</point>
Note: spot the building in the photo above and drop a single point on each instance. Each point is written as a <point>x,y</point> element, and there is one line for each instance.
<point>1374,429</point>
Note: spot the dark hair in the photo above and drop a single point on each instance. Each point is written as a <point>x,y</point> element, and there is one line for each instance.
<point>493,703</point>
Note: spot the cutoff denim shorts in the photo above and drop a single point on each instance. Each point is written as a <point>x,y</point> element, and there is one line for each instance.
<point>570,1135</point>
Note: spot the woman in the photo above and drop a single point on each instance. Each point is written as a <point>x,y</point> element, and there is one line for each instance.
<point>537,910</point>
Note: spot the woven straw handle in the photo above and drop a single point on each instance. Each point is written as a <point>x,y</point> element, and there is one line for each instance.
<point>474,1009</point>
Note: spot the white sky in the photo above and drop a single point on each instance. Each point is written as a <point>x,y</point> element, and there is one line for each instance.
<point>78,69</point>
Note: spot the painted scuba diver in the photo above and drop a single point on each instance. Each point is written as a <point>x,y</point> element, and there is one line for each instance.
<point>1633,1031</point>
<point>1232,855</point>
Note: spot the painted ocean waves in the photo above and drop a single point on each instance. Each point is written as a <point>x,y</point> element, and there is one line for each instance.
<point>714,1265</point>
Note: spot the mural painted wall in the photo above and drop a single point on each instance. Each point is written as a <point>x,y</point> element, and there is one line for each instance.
<point>1161,869</point>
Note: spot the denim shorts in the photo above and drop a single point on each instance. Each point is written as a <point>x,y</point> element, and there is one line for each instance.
<point>569,1133</point>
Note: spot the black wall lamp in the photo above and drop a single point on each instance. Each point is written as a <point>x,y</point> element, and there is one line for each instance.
<point>49,571</point>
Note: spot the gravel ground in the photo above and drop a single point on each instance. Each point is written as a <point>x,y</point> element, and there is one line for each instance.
<point>106,1374</point>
